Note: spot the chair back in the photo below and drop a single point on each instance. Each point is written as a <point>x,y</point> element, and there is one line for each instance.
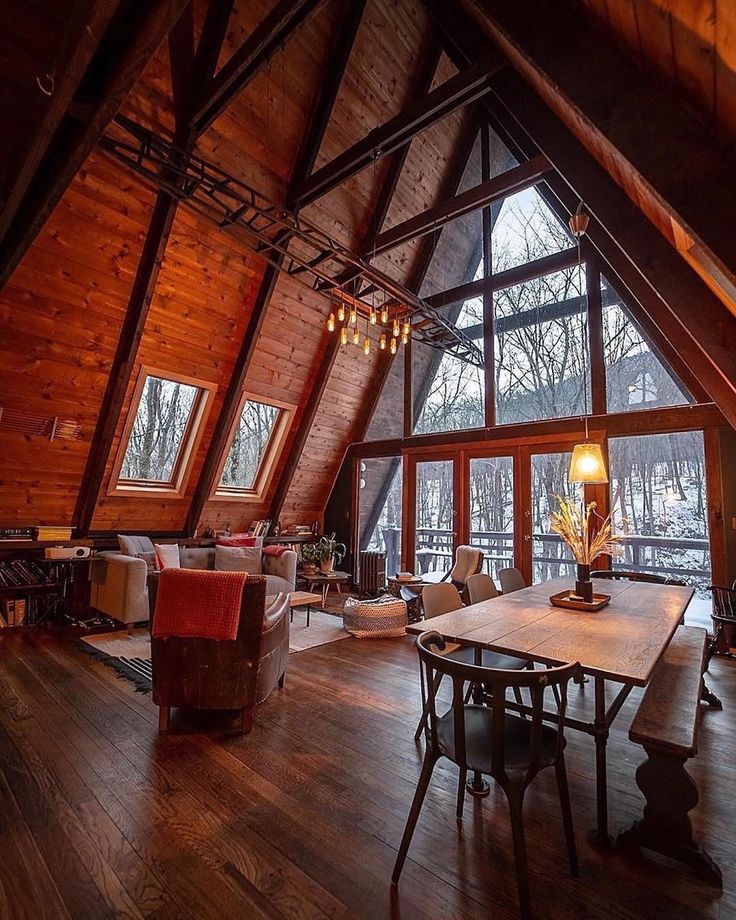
<point>651,578</point>
<point>511,580</point>
<point>440,598</point>
<point>724,602</point>
<point>468,561</point>
<point>481,587</point>
<point>495,682</point>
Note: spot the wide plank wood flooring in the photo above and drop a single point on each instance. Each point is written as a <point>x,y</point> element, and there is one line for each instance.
<point>102,817</point>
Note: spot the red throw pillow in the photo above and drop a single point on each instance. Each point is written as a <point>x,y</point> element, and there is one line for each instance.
<point>237,539</point>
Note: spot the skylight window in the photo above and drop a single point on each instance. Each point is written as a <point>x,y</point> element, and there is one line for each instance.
<point>255,443</point>
<point>164,425</point>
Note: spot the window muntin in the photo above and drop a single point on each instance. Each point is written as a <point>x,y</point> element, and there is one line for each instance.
<point>253,447</point>
<point>165,422</point>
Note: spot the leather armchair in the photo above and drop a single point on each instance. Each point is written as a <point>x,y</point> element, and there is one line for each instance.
<point>226,674</point>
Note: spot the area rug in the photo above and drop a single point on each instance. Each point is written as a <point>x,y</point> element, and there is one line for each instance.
<point>130,655</point>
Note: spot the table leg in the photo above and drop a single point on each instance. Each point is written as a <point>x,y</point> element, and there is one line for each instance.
<point>325,589</point>
<point>309,610</point>
<point>339,589</point>
<point>600,835</point>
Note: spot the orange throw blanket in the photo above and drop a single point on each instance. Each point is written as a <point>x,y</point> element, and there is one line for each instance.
<point>194,603</point>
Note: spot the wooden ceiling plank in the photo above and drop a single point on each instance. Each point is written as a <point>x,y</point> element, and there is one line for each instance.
<point>453,94</point>
<point>86,27</point>
<point>117,64</point>
<point>151,259</point>
<point>304,162</point>
<point>281,23</point>
<point>508,183</point>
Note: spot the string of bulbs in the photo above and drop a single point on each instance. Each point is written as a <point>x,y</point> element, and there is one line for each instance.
<point>347,318</point>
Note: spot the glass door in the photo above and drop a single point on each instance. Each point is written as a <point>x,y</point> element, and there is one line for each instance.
<point>434,516</point>
<point>380,509</point>
<point>491,510</point>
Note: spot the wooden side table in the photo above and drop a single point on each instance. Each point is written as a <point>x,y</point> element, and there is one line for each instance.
<point>324,581</point>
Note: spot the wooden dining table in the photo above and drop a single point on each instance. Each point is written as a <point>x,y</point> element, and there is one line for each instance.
<point>621,644</point>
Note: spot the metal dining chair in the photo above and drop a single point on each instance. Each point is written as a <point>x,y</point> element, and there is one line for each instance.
<point>489,740</point>
<point>445,598</point>
<point>481,587</point>
<point>511,580</point>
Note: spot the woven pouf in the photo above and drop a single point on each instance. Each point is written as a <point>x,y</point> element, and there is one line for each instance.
<point>383,618</point>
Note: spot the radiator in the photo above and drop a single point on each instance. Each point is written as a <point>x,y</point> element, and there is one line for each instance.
<point>372,572</point>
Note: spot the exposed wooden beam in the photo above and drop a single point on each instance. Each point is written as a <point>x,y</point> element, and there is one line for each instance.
<point>383,202</point>
<point>594,301</point>
<point>487,222</point>
<point>304,162</point>
<point>277,27</point>
<point>129,43</point>
<point>480,196</point>
<point>154,247</point>
<point>521,273</point>
<point>455,93</point>
<point>638,131</point>
<point>85,28</point>
<point>644,421</point>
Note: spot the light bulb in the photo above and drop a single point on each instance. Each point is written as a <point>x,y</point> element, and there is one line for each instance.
<point>367,346</point>
<point>394,345</point>
<point>405,339</point>
<point>382,343</point>
<point>372,317</point>
<point>395,331</point>
<point>341,313</point>
<point>405,329</point>
<point>356,338</point>
<point>344,335</point>
<point>331,322</point>
<point>384,315</point>
<point>353,316</point>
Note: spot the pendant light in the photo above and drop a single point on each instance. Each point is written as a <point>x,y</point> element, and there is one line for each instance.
<point>382,342</point>
<point>344,335</point>
<point>587,464</point>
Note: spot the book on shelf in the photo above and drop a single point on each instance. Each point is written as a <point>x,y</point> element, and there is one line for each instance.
<point>52,532</point>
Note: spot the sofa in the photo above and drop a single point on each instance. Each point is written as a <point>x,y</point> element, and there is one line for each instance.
<point>121,583</point>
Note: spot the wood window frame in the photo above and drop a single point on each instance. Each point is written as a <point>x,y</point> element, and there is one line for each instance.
<point>274,448</point>
<point>176,486</point>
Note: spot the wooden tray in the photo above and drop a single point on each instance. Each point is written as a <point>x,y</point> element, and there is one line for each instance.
<point>565,599</point>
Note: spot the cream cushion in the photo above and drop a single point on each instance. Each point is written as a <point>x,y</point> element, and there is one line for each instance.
<point>167,555</point>
<point>238,559</point>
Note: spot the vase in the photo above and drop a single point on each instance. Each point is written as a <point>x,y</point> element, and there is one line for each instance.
<point>309,568</point>
<point>583,584</point>
<point>327,565</point>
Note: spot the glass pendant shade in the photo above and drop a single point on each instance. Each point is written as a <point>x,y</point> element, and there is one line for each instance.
<point>331,322</point>
<point>587,464</point>
<point>382,343</point>
<point>367,346</point>
<point>341,313</point>
<point>344,335</point>
<point>356,337</point>
<point>393,345</point>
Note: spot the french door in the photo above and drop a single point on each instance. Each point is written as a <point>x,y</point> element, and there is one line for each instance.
<point>433,494</point>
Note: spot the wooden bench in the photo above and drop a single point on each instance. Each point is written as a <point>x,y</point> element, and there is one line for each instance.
<point>666,725</point>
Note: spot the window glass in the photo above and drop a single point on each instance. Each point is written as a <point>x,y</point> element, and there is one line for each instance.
<point>159,431</point>
<point>525,229</point>
<point>636,378</point>
<point>492,511</point>
<point>541,348</point>
<point>379,502</point>
<point>249,445</point>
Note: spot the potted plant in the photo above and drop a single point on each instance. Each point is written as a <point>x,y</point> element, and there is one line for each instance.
<point>310,558</point>
<point>330,552</point>
<point>573,524</point>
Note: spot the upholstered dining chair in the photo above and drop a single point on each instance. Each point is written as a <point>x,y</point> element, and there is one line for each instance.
<point>468,561</point>
<point>481,587</point>
<point>511,580</point>
<point>444,598</point>
<point>489,740</point>
<point>209,673</point>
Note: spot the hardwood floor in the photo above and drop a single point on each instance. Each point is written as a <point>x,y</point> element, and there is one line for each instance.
<point>102,817</point>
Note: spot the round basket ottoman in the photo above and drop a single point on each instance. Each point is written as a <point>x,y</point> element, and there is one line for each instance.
<point>383,618</point>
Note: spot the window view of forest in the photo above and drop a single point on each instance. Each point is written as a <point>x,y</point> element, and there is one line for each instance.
<point>541,371</point>
<point>158,432</point>
<point>250,442</point>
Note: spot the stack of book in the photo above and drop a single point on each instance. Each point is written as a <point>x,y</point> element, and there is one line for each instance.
<point>13,612</point>
<point>49,532</point>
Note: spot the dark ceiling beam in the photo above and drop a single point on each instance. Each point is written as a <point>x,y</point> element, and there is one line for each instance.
<point>277,27</point>
<point>84,30</point>
<point>453,94</point>
<point>304,162</point>
<point>200,67</point>
<point>434,218</point>
<point>673,304</point>
<point>556,262</point>
<point>131,40</point>
<point>636,128</point>
<point>384,197</point>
